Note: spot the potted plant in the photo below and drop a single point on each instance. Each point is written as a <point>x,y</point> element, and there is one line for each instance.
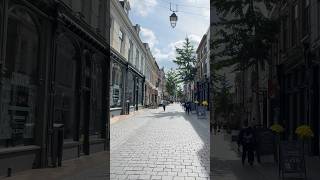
<point>304,132</point>
<point>277,129</point>
<point>205,103</point>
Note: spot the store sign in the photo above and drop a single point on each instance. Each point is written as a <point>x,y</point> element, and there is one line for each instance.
<point>292,159</point>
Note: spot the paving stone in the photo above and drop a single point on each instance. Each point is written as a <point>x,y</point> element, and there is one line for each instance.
<point>160,145</point>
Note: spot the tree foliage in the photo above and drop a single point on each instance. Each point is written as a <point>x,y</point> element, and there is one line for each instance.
<point>244,33</point>
<point>223,98</point>
<point>172,82</point>
<point>186,61</point>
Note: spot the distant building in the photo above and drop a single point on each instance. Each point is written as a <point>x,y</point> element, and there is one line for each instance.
<point>203,69</point>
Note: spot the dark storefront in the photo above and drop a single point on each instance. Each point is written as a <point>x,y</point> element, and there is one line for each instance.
<point>202,91</point>
<point>297,102</point>
<point>55,71</point>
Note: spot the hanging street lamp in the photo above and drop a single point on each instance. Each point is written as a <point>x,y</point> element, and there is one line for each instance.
<point>173,17</point>
<point>173,20</point>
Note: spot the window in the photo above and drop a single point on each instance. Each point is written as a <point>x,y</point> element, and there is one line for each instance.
<point>116,86</point>
<point>306,17</point>
<point>130,89</point>
<point>95,126</point>
<point>141,64</point>
<point>295,15</point>
<point>284,32</point>
<point>130,51</point>
<point>136,64</point>
<point>65,86</point>
<point>20,81</point>
<point>121,40</point>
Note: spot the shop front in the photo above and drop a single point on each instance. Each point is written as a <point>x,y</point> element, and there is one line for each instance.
<point>54,74</point>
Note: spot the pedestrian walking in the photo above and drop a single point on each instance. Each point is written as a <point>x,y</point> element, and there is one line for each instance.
<point>188,107</point>
<point>164,106</point>
<point>247,140</point>
<point>257,129</point>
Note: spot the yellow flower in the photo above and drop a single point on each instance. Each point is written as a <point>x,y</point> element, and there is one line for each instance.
<point>205,103</point>
<point>304,132</point>
<point>277,128</point>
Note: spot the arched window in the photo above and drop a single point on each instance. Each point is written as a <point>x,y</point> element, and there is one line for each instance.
<point>20,83</point>
<point>65,86</point>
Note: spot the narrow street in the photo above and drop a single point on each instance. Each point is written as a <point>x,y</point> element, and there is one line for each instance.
<point>160,145</point>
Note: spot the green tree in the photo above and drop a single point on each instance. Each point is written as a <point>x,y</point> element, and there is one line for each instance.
<point>180,94</point>
<point>186,61</point>
<point>222,98</point>
<point>172,82</point>
<point>244,35</point>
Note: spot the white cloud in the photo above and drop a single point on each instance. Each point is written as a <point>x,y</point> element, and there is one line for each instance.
<point>143,7</point>
<point>169,53</point>
<point>149,37</point>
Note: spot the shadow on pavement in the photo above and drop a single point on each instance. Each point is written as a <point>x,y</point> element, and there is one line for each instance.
<point>201,126</point>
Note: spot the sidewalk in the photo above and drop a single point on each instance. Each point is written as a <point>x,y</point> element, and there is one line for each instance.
<point>127,116</point>
<point>93,167</point>
<point>226,163</point>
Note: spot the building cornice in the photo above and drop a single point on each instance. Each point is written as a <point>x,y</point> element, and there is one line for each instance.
<point>128,23</point>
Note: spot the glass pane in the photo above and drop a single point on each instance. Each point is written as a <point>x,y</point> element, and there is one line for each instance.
<point>65,86</point>
<point>116,86</point>
<point>19,89</point>
<point>96,121</point>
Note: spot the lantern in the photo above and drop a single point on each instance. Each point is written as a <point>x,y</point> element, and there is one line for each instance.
<point>173,20</point>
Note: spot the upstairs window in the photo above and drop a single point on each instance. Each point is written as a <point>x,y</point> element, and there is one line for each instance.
<point>306,17</point>
<point>295,16</point>
<point>121,40</point>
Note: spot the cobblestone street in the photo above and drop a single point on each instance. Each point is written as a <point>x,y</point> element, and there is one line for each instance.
<point>160,145</point>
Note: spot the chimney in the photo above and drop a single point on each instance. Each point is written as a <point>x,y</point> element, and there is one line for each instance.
<point>126,5</point>
<point>146,45</point>
<point>137,28</point>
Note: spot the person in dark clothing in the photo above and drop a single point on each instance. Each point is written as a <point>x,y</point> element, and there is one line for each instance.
<point>247,140</point>
<point>164,106</point>
<point>188,107</point>
<point>257,129</point>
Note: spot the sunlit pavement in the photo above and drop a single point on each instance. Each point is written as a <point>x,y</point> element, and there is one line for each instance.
<point>226,163</point>
<point>160,145</point>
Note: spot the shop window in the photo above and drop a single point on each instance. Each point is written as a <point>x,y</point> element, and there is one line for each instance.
<point>65,87</point>
<point>95,127</point>
<point>116,86</point>
<point>130,88</point>
<point>20,81</point>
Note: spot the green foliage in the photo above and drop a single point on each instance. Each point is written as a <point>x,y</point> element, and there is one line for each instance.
<point>186,61</point>
<point>172,82</point>
<point>222,97</point>
<point>244,33</point>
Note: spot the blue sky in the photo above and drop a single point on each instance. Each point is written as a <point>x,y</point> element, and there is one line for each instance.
<point>153,17</point>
